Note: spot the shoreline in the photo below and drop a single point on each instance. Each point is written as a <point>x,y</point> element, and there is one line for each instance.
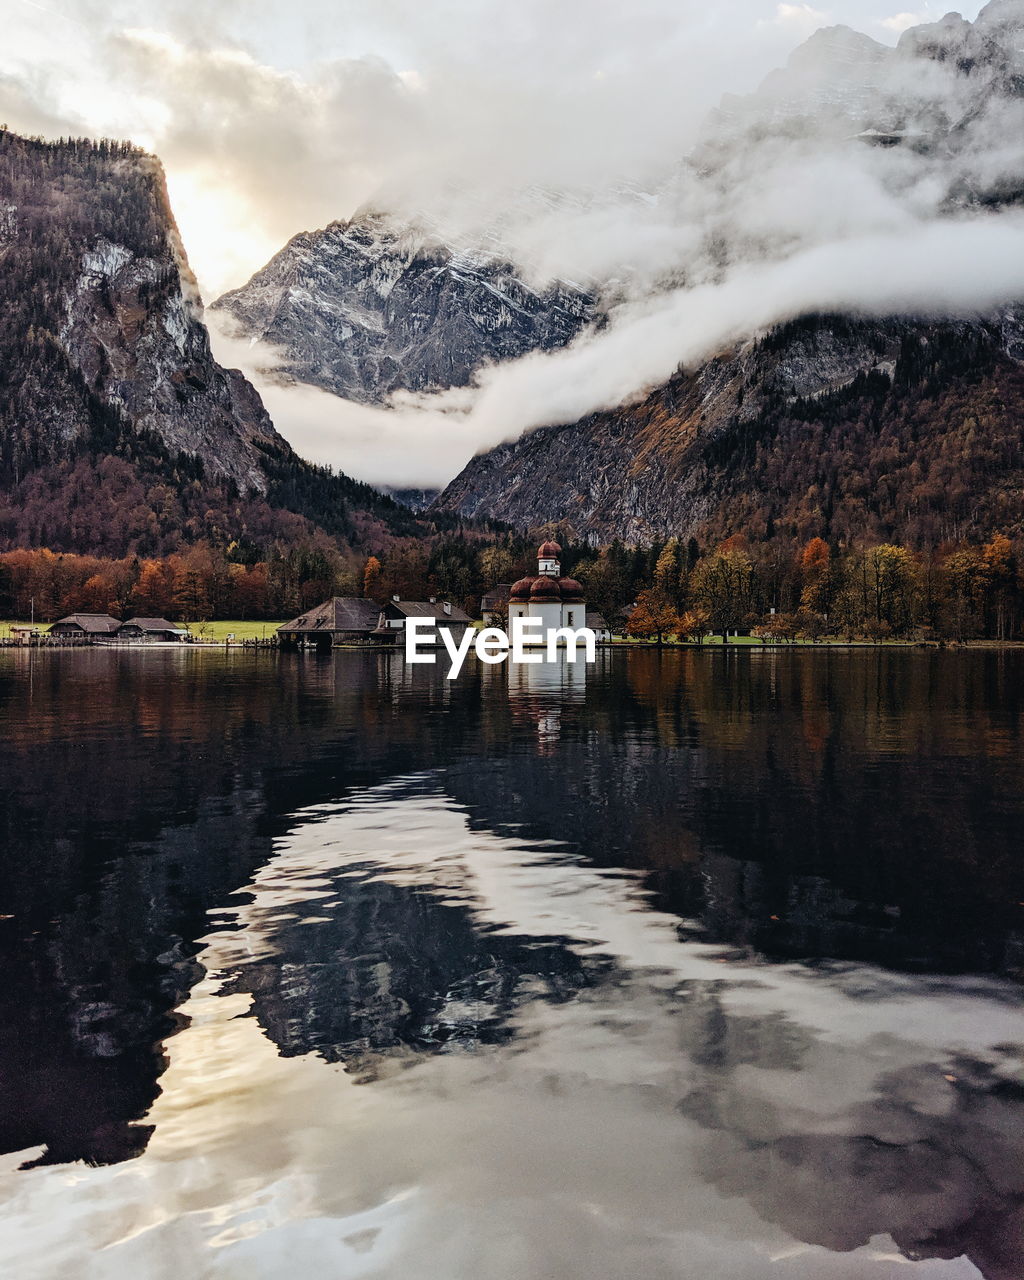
<point>743,646</point>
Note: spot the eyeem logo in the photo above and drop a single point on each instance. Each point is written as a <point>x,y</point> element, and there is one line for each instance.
<point>530,641</point>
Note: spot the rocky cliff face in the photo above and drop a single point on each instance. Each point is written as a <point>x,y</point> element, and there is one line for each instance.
<point>119,432</point>
<point>372,306</point>
<point>104,329</point>
<point>828,426</point>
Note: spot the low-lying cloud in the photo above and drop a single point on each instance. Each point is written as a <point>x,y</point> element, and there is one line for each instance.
<point>576,141</point>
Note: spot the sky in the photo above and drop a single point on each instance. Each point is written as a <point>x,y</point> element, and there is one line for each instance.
<point>271,118</point>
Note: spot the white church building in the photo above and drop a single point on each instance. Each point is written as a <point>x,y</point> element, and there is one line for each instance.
<point>557,601</point>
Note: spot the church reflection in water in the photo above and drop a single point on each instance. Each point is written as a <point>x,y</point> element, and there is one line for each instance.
<point>539,690</point>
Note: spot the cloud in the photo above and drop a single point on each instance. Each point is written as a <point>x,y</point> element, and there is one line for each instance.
<point>799,16</point>
<point>900,22</point>
<point>399,447</point>
<point>287,116</point>
<point>559,134</point>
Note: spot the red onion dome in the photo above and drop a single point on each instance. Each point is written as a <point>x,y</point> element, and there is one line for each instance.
<point>521,590</point>
<point>571,589</point>
<point>549,551</point>
<point>545,589</point>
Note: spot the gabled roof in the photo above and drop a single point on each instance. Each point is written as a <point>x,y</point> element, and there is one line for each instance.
<point>154,624</point>
<point>424,609</point>
<point>596,621</point>
<point>96,623</point>
<point>496,595</point>
<point>340,613</point>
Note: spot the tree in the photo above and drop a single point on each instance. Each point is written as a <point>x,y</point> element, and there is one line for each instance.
<point>693,625</point>
<point>497,564</point>
<point>723,584</point>
<point>155,589</point>
<point>777,628</point>
<point>893,579</point>
<point>654,615</point>
<point>373,580</point>
<point>1000,574</point>
<point>964,575</point>
<point>669,573</point>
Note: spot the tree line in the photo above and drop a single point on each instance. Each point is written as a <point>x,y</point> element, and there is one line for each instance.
<point>672,589</point>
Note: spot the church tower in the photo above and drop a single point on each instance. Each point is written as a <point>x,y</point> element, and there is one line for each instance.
<point>557,601</point>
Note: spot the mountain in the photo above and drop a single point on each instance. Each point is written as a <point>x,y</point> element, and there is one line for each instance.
<point>119,432</point>
<point>375,305</point>
<point>827,426</point>
<point>900,426</point>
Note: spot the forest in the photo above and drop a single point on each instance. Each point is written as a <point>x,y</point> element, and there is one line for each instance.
<point>775,590</point>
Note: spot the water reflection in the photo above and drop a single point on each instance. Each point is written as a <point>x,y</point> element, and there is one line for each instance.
<point>652,994</point>
<point>539,691</point>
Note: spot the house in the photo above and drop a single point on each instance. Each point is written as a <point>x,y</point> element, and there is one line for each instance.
<point>151,631</point>
<point>597,623</point>
<point>25,635</point>
<point>494,605</point>
<point>340,620</point>
<point>557,601</point>
<point>85,625</point>
<point>395,614</point>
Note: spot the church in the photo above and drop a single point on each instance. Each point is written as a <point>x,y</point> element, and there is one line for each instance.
<point>557,601</point>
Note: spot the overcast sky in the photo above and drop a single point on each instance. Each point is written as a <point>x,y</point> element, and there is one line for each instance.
<point>276,116</point>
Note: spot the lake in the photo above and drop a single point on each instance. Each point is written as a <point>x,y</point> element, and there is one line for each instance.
<point>688,964</point>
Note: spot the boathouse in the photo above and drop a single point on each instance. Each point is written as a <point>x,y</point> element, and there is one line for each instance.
<point>395,614</point>
<point>152,631</point>
<point>85,626</point>
<point>340,620</point>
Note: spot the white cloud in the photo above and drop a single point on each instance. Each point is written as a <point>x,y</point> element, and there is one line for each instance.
<point>900,22</point>
<point>800,15</point>
<point>275,118</point>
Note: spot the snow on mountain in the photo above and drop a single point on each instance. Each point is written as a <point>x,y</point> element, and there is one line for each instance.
<point>371,306</point>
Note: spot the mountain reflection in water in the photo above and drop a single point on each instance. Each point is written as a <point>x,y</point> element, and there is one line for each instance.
<point>705,965</point>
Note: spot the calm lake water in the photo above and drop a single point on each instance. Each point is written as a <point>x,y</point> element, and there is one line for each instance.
<point>690,965</point>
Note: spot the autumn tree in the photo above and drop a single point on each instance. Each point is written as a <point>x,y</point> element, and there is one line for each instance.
<point>670,573</point>
<point>1000,577</point>
<point>693,625</point>
<point>723,584</point>
<point>373,576</point>
<point>497,565</point>
<point>654,615</point>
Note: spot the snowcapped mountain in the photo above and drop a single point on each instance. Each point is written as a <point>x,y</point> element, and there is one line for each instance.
<point>371,306</point>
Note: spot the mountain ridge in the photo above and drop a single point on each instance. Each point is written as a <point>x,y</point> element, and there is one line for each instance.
<point>372,306</point>
<point>107,380</point>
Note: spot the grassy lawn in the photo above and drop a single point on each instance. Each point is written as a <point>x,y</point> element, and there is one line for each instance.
<point>218,631</point>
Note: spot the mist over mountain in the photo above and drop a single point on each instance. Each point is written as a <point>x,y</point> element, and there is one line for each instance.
<point>859,179</point>
<point>901,419</point>
<point>859,182</point>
